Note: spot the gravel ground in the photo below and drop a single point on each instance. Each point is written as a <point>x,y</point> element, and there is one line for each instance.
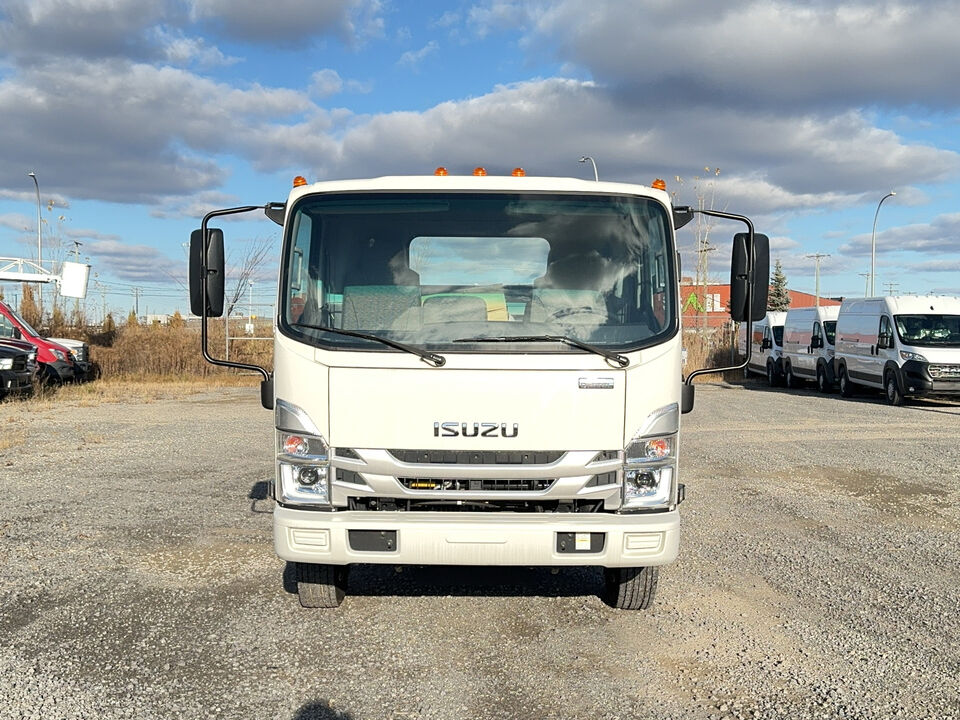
<point>817,578</point>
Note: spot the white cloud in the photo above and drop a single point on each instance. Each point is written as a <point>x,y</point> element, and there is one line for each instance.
<point>936,237</point>
<point>413,58</point>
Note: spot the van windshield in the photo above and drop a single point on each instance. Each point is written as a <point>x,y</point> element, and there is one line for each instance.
<point>929,330</point>
<point>435,269</point>
<point>830,330</point>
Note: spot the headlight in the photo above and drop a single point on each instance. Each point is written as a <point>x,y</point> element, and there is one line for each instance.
<point>303,463</point>
<point>58,354</point>
<point>912,356</point>
<point>650,462</point>
<point>6,363</point>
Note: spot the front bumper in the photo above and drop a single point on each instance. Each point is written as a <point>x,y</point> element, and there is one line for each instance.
<point>15,383</point>
<point>61,370</point>
<point>500,538</point>
<point>917,380</point>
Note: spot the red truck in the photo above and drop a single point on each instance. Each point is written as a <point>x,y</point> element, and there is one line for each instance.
<point>55,361</point>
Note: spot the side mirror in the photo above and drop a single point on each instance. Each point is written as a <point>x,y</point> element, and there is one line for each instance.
<point>885,342</point>
<point>766,344</point>
<point>17,335</point>
<point>740,279</point>
<point>681,216</point>
<point>816,342</point>
<point>213,251</point>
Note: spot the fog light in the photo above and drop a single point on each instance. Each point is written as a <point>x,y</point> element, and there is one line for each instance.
<point>641,479</point>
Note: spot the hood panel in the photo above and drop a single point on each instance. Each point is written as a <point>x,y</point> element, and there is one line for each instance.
<point>374,408</point>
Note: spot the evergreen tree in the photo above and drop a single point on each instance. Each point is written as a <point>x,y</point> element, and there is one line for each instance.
<point>779,296</point>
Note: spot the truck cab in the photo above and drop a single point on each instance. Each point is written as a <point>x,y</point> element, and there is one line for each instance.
<point>473,370</point>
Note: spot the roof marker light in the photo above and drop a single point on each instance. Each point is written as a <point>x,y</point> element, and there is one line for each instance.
<point>479,172</point>
<point>519,172</point>
<point>299,181</point>
<point>659,184</point>
<point>441,171</point>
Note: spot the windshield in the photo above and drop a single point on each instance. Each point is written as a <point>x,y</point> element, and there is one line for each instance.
<point>445,271</point>
<point>830,330</point>
<point>23,323</point>
<point>929,330</point>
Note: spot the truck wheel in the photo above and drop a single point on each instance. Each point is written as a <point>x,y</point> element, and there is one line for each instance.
<point>822,384</point>
<point>771,375</point>
<point>630,588</point>
<point>846,387</point>
<point>892,387</point>
<point>321,586</point>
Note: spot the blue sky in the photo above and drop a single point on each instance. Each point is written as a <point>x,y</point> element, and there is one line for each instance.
<point>140,115</point>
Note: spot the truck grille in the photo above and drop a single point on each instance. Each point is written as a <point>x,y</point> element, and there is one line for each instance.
<point>476,457</point>
<point>477,484</point>
<point>20,363</point>
<point>945,372</point>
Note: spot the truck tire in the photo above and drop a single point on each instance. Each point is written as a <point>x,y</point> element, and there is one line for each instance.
<point>321,586</point>
<point>846,387</point>
<point>771,375</point>
<point>822,384</point>
<point>891,387</point>
<point>630,588</point>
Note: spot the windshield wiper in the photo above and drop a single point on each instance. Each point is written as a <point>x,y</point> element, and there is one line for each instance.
<point>427,357</point>
<point>619,359</point>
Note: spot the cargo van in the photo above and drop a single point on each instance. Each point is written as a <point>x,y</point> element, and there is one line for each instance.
<point>908,346</point>
<point>809,335</point>
<point>767,355</point>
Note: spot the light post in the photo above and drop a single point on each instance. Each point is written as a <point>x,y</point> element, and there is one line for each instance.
<point>873,241</point>
<point>39,243</point>
<point>596,175</point>
<point>817,258</point>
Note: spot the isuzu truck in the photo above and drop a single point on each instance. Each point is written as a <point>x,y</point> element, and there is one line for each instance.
<point>477,370</point>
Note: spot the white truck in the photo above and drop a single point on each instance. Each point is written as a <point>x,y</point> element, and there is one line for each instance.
<point>809,336</point>
<point>477,370</point>
<point>908,346</point>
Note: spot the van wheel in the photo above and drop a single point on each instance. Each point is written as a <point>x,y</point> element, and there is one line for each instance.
<point>771,375</point>
<point>793,382</point>
<point>630,588</point>
<point>321,586</point>
<point>846,387</point>
<point>892,386</point>
<point>822,384</point>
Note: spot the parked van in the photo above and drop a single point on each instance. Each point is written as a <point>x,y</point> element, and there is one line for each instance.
<point>909,346</point>
<point>767,356</point>
<point>809,335</point>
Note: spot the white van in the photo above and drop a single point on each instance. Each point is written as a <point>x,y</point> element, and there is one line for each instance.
<point>909,345</point>
<point>808,346</point>
<point>767,355</point>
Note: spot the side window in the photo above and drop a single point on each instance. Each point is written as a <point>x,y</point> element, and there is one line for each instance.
<point>816,337</point>
<point>816,330</point>
<point>6,328</point>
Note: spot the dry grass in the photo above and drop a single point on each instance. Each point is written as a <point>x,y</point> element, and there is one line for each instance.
<point>706,351</point>
<point>136,389</point>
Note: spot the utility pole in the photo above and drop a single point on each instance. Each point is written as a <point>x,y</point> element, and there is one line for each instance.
<point>891,287</point>
<point>39,244</point>
<point>816,258</point>
<point>76,301</point>
<point>136,299</point>
<point>866,287</point>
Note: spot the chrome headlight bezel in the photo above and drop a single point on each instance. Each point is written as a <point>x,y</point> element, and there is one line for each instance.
<point>649,471</point>
<point>905,355</point>
<point>303,469</point>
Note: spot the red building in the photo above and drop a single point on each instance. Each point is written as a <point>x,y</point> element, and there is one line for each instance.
<point>709,308</point>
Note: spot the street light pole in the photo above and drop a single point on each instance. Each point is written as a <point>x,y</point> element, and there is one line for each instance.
<point>39,244</point>
<point>817,257</point>
<point>596,175</point>
<point>873,242</point>
<point>866,284</point>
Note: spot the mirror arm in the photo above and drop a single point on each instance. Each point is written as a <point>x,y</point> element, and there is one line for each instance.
<point>203,284</point>
<point>750,283</point>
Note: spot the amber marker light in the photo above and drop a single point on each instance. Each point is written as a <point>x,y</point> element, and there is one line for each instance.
<point>519,172</point>
<point>659,184</point>
<point>441,171</point>
<point>299,181</point>
<point>479,172</point>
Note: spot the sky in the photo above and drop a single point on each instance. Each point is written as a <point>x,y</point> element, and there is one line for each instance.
<point>138,116</point>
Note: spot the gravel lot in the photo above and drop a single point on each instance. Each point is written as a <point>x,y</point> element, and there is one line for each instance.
<point>818,578</point>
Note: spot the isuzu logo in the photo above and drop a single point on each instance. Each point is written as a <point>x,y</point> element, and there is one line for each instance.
<point>487,429</point>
